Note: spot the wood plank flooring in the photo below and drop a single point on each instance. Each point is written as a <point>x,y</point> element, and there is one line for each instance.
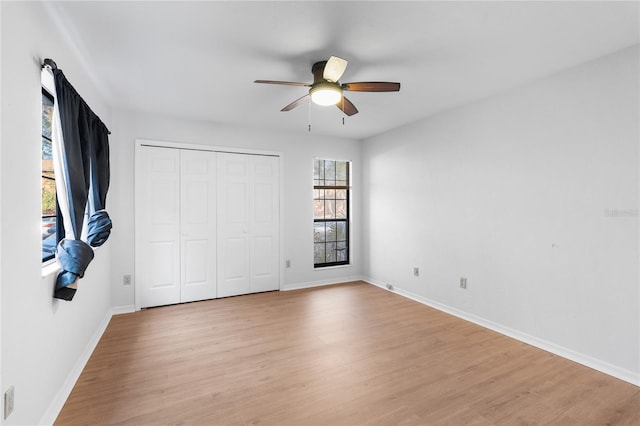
<point>348,354</point>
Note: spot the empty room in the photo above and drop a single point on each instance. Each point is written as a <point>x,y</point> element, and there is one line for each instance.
<point>320,212</point>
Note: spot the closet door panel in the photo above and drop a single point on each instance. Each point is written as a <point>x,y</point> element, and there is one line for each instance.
<point>233,225</point>
<point>160,265</point>
<point>236,262</point>
<point>264,223</point>
<point>158,269</point>
<point>196,265</point>
<point>198,225</point>
<point>263,274</point>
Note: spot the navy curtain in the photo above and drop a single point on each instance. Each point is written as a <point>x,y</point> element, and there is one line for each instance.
<point>99,227</point>
<point>82,179</point>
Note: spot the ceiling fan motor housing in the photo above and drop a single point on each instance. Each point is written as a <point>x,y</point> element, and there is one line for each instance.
<point>324,92</point>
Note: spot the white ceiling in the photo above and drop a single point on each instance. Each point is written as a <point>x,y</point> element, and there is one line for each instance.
<point>199,59</point>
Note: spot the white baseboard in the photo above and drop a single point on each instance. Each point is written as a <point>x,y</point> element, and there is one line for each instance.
<point>126,309</point>
<point>321,283</point>
<point>596,364</point>
<point>63,393</point>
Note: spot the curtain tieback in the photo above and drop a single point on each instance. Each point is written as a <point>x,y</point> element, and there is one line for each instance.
<point>98,228</point>
<point>74,256</point>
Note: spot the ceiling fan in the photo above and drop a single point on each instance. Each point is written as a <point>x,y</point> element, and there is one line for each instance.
<point>326,90</point>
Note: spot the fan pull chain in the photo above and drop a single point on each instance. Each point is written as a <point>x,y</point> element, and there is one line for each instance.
<point>309,114</point>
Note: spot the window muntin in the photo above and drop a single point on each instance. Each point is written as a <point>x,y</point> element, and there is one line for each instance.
<point>49,206</point>
<point>331,192</point>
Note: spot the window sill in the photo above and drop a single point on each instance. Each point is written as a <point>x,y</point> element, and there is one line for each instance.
<point>324,268</point>
<point>50,268</point>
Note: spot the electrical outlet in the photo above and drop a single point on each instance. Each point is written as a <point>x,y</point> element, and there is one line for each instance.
<point>126,279</point>
<point>389,287</point>
<point>287,263</point>
<point>9,400</point>
<point>416,271</point>
<point>463,283</point>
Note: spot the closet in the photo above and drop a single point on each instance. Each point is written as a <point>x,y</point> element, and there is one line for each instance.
<point>207,224</point>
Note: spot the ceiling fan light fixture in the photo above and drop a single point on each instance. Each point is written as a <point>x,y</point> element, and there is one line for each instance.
<point>326,94</point>
<point>326,90</point>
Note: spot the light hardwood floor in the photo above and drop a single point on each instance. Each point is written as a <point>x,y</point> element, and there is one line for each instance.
<point>348,354</point>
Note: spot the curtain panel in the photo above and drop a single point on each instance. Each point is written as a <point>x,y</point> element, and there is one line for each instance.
<point>81,165</point>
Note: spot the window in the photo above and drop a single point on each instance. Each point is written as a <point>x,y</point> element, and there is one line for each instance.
<point>49,207</point>
<point>331,193</point>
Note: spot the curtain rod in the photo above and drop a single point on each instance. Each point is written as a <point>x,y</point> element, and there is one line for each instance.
<point>49,63</point>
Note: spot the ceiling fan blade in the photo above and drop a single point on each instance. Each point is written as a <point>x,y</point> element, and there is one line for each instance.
<point>372,86</point>
<point>295,103</point>
<point>286,83</point>
<point>347,107</point>
<point>334,69</point>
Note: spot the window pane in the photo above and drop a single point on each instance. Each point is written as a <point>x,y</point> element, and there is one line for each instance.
<point>47,115</point>
<point>330,209</point>
<point>318,232</point>
<point>318,172</point>
<point>341,209</point>
<point>48,184</point>
<point>341,194</point>
<point>341,173</point>
<point>341,252</point>
<point>49,207</point>
<point>331,252</point>
<point>341,231</point>
<point>318,209</point>
<point>318,253</point>
<point>331,231</point>
<point>329,173</point>
<point>47,153</point>
<point>48,196</point>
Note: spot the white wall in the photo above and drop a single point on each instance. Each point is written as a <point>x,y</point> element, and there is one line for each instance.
<point>42,338</point>
<point>1,387</point>
<point>298,151</point>
<point>533,197</point>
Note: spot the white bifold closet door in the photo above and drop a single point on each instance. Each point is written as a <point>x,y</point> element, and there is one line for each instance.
<point>176,248</point>
<point>248,224</point>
